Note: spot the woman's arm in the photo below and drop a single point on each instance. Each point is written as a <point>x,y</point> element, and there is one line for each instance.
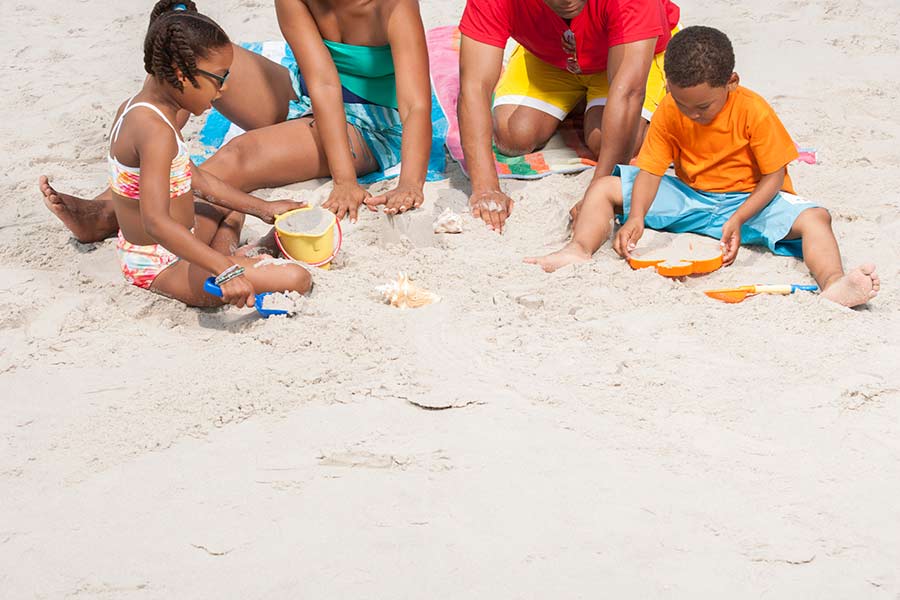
<point>406,36</point>
<point>321,76</point>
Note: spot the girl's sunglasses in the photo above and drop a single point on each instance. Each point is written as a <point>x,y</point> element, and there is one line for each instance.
<point>219,79</point>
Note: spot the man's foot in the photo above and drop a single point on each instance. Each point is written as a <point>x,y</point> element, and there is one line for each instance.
<point>855,288</point>
<point>570,254</point>
<point>88,220</point>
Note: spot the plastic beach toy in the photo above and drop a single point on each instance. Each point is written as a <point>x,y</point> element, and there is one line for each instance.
<point>739,294</point>
<point>210,287</point>
<point>310,235</point>
<point>686,255</point>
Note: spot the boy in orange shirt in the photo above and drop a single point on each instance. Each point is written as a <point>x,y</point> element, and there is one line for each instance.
<point>730,152</point>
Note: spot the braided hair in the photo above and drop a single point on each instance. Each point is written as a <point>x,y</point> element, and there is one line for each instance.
<point>177,37</point>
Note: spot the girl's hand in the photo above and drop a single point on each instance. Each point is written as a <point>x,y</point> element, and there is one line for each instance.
<point>278,207</point>
<point>400,199</point>
<point>628,236</point>
<point>239,292</point>
<point>345,199</point>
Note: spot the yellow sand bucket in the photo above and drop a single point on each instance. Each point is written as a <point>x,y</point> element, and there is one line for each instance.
<point>308,235</point>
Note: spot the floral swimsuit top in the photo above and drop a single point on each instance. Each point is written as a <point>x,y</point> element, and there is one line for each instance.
<point>126,181</point>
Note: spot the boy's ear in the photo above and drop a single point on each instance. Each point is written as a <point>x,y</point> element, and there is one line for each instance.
<point>733,82</point>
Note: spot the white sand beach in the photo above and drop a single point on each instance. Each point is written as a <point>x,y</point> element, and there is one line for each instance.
<point>606,433</point>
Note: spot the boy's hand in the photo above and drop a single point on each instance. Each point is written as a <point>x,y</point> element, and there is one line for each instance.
<point>345,199</point>
<point>731,241</point>
<point>628,236</point>
<point>400,199</point>
<point>278,207</point>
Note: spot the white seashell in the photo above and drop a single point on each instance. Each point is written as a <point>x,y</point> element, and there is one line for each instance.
<point>403,294</point>
<point>448,222</point>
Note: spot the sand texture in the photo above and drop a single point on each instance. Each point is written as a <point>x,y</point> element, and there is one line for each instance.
<point>595,432</point>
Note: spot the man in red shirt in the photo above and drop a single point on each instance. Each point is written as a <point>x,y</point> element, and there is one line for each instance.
<point>606,53</point>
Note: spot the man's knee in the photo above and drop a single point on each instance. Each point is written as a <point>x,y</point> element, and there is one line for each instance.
<point>516,134</point>
<point>513,142</point>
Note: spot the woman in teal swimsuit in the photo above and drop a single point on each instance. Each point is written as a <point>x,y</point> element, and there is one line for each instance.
<point>360,100</point>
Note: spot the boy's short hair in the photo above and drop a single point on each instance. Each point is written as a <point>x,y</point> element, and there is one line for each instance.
<point>698,55</point>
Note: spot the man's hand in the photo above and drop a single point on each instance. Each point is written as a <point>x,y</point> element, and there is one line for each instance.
<point>627,237</point>
<point>345,199</point>
<point>399,200</point>
<point>279,207</point>
<point>492,207</point>
<point>731,240</point>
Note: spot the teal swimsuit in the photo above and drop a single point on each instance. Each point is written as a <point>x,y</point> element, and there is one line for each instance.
<point>369,95</point>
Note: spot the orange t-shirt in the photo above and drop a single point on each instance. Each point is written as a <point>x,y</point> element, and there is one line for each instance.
<point>745,141</point>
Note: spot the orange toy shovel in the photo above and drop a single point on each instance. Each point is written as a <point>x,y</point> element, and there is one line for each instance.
<point>739,294</point>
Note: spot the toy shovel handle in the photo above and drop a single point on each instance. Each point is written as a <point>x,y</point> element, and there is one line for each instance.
<point>804,288</point>
<point>210,287</point>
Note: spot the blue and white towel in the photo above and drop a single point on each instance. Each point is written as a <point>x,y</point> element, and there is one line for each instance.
<point>218,130</point>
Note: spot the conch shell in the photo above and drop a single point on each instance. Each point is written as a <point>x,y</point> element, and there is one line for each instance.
<point>402,294</point>
<point>448,222</point>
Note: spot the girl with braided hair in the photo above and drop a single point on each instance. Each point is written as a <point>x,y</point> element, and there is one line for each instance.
<point>168,242</point>
<point>358,99</point>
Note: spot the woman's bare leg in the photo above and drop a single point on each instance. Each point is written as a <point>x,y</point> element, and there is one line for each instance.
<point>259,91</point>
<point>88,220</point>
<point>282,154</point>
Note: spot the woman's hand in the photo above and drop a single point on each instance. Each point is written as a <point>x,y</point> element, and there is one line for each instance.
<point>345,199</point>
<point>239,292</point>
<point>399,200</point>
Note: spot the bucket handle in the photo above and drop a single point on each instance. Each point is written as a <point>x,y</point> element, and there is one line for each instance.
<point>334,252</point>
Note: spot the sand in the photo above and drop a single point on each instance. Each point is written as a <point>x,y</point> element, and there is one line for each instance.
<point>604,432</point>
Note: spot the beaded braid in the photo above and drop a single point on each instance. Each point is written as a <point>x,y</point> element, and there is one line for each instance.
<point>177,38</point>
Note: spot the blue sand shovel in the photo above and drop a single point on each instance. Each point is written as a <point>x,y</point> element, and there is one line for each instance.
<point>210,287</point>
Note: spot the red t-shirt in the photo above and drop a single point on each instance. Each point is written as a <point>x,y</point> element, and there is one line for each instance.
<point>599,26</point>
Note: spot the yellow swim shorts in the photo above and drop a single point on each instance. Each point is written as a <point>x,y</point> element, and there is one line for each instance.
<point>529,81</point>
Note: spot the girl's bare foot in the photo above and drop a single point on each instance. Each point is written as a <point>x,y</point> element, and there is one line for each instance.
<point>88,220</point>
<point>264,246</point>
<point>570,254</point>
<point>855,288</point>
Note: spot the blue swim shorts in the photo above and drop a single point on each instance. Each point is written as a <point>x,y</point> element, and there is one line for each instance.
<point>380,126</point>
<point>679,208</point>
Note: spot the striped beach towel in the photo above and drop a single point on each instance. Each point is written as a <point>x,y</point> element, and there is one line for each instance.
<point>218,130</point>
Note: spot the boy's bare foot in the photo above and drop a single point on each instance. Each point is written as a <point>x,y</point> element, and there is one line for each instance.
<point>855,288</point>
<point>88,220</point>
<point>570,254</point>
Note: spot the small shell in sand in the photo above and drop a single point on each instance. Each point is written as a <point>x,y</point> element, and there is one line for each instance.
<point>403,294</point>
<point>448,222</point>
